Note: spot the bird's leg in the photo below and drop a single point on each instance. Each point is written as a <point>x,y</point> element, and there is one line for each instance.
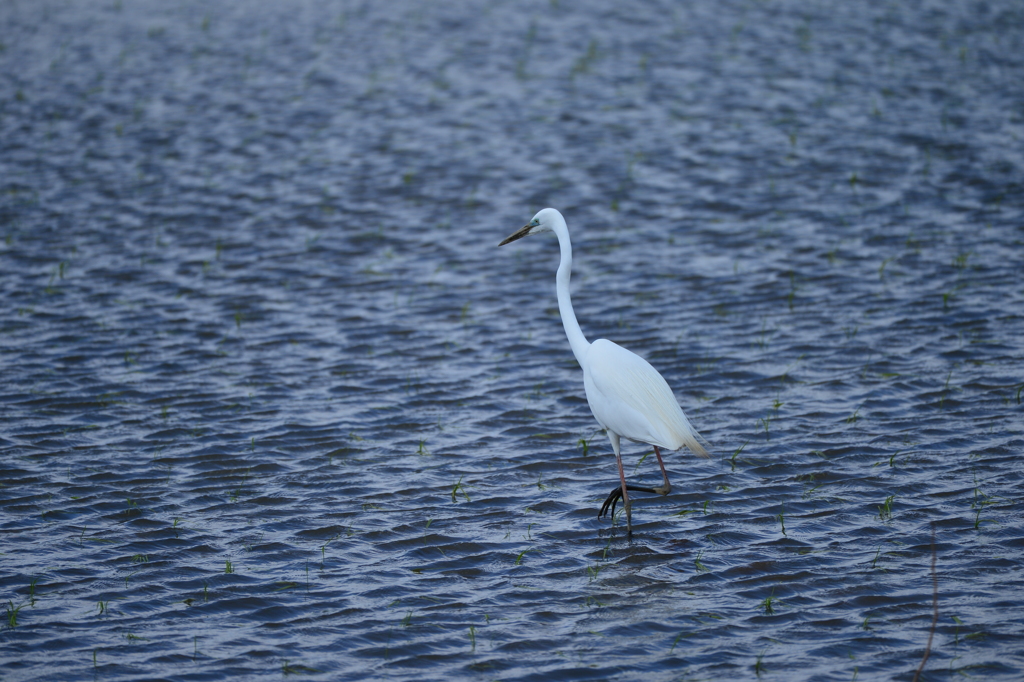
<point>618,492</point>
<point>613,498</point>
<point>625,495</point>
<point>666,488</point>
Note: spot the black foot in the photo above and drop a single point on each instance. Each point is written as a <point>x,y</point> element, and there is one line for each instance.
<point>615,495</point>
<point>613,499</point>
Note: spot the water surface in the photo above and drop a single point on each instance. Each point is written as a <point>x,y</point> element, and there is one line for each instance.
<point>275,403</point>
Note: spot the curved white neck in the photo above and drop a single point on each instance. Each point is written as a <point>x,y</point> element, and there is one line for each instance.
<point>577,341</point>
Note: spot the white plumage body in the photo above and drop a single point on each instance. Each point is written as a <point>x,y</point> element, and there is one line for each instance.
<point>630,398</point>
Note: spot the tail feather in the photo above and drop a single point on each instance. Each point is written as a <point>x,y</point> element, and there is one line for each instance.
<point>696,447</point>
<point>692,439</point>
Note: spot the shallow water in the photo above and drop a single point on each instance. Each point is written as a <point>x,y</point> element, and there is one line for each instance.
<point>274,402</point>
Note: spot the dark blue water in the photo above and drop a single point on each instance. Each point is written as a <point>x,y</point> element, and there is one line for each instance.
<point>274,403</point>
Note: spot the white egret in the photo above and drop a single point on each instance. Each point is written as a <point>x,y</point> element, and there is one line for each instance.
<point>628,397</point>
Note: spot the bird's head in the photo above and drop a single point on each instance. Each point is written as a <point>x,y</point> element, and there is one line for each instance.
<point>544,221</point>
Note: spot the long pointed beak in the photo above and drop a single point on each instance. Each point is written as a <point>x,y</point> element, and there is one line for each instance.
<point>518,234</point>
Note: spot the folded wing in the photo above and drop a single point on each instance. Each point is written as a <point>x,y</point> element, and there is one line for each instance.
<point>629,397</point>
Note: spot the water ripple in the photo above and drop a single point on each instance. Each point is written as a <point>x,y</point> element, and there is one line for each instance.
<point>275,403</point>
